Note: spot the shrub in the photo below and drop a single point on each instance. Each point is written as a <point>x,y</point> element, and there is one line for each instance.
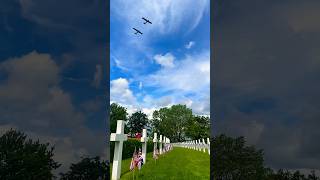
<point>128,148</point>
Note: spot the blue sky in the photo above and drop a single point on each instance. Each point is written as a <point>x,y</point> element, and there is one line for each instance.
<point>169,63</point>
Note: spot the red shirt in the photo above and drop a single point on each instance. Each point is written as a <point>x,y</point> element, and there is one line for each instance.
<point>138,135</point>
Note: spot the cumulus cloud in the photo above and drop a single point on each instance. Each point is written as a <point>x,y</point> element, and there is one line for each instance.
<point>121,93</point>
<point>188,82</point>
<point>301,16</point>
<point>266,92</point>
<point>185,76</point>
<point>166,60</point>
<point>32,100</point>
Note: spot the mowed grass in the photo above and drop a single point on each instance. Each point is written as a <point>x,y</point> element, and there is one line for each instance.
<point>125,164</point>
<point>180,163</point>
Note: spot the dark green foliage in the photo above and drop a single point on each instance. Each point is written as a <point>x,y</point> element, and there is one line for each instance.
<point>231,159</point>
<point>128,148</point>
<point>313,176</point>
<point>87,168</point>
<point>21,158</point>
<point>117,112</point>
<point>171,122</point>
<point>198,127</point>
<point>287,175</point>
<point>137,122</point>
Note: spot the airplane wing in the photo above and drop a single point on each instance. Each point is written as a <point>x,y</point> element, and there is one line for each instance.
<point>146,21</point>
<point>137,31</point>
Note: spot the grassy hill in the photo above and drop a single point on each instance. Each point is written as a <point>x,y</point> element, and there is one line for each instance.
<point>180,163</point>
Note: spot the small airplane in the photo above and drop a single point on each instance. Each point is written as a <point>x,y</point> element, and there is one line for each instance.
<point>137,31</point>
<point>146,21</point>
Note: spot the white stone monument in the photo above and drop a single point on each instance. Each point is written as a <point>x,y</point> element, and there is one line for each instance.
<point>118,138</point>
<point>164,144</point>
<point>203,145</point>
<point>208,142</point>
<point>196,144</point>
<point>160,144</point>
<point>155,140</point>
<point>144,140</point>
<point>193,145</point>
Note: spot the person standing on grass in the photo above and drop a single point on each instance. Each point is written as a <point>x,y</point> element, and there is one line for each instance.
<point>132,164</point>
<point>140,160</point>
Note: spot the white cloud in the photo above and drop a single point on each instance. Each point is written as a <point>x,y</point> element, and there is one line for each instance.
<point>189,45</point>
<point>120,92</point>
<point>149,112</point>
<point>166,60</point>
<point>31,100</point>
<point>164,101</point>
<point>301,16</point>
<point>191,74</point>
<point>119,63</point>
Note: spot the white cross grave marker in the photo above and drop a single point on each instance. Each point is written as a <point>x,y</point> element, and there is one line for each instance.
<point>208,142</point>
<point>160,142</point>
<point>144,140</point>
<point>155,140</point>
<point>193,145</point>
<point>165,144</point>
<point>196,144</point>
<point>118,138</point>
<point>203,145</point>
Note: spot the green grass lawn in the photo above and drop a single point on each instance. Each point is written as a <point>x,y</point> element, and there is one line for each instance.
<point>125,164</point>
<point>180,163</point>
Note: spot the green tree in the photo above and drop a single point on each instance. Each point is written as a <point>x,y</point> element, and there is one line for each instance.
<point>22,158</point>
<point>298,176</point>
<point>198,127</point>
<point>117,112</point>
<point>313,176</point>
<point>172,122</point>
<point>231,159</point>
<point>87,168</point>
<point>137,121</point>
<point>282,175</point>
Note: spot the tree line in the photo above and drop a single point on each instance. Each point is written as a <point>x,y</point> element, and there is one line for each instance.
<point>231,159</point>
<point>24,158</point>
<point>177,122</point>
